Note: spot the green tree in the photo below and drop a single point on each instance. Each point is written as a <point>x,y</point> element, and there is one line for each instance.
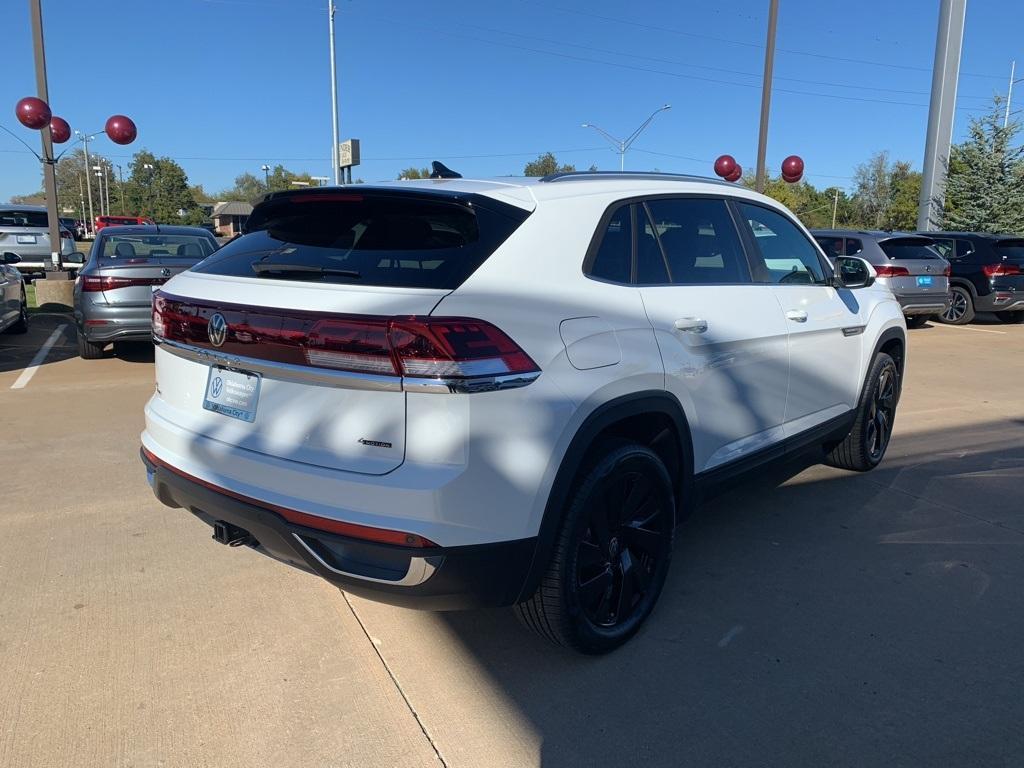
<point>545,165</point>
<point>985,178</point>
<point>904,198</point>
<point>247,188</point>
<point>158,187</point>
<point>414,173</point>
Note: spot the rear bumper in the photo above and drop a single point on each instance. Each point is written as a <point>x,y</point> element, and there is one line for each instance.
<point>100,323</point>
<point>432,578</point>
<point>1001,301</point>
<point>923,305</point>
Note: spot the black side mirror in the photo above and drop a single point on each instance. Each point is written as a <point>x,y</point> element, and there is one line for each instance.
<point>852,272</point>
<point>11,258</point>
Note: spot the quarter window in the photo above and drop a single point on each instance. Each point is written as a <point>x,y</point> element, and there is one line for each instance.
<point>698,242</point>
<point>614,256</point>
<point>786,253</point>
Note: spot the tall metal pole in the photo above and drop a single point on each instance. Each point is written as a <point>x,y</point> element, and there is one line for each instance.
<point>1009,93</point>
<point>941,111</point>
<point>835,207</point>
<point>766,92</point>
<point>49,172</point>
<point>334,95</point>
<point>106,183</point>
<point>81,199</point>
<point>120,187</point>
<point>88,184</point>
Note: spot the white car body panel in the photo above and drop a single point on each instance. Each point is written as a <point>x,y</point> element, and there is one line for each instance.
<point>478,468</point>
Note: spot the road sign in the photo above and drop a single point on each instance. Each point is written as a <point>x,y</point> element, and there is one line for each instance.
<point>348,153</point>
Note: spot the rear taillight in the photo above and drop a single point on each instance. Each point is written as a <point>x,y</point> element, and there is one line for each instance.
<point>1001,269</point>
<point>887,271</point>
<point>94,284</point>
<point>415,347</point>
<point>947,271</point>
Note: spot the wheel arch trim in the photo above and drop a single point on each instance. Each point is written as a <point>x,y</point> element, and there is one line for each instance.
<point>571,461</point>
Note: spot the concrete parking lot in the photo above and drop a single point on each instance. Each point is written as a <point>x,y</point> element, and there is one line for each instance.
<point>835,619</point>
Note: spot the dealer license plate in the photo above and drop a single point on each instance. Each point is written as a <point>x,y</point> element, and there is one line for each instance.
<point>232,393</point>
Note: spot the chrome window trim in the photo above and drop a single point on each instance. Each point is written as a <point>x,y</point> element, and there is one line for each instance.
<point>420,569</point>
<point>346,379</point>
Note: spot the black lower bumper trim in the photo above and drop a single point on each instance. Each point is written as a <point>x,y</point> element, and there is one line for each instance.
<point>442,578</point>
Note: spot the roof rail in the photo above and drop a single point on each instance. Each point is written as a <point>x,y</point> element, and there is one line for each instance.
<point>654,175</point>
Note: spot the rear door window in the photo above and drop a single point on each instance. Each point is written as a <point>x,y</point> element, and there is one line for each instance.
<point>947,249</point>
<point>698,240</point>
<point>376,239</point>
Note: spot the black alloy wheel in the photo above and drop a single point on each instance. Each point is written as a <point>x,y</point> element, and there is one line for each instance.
<point>882,413</point>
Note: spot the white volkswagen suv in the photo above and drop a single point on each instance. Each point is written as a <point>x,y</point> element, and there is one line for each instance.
<point>454,393</point>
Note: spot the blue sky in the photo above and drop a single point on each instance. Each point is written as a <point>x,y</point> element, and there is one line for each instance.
<point>226,85</point>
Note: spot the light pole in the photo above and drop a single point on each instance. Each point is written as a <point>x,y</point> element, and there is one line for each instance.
<point>335,137</point>
<point>1009,91</point>
<point>85,139</point>
<point>621,145</point>
<point>266,175</point>
<point>99,175</point>
<point>120,187</point>
<point>766,93</point>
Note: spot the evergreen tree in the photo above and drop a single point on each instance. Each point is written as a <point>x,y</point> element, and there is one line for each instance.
<point>985,178</point>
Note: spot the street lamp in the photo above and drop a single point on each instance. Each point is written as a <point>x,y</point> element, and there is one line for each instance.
<point>621,145</point>
<point>266,175</point>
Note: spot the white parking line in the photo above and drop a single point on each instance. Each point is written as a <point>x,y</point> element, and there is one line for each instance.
<point>967,328</point>
<point>28,373</point>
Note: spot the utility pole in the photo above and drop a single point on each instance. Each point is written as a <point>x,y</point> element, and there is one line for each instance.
<point>81,199</point>
<point>91,223</point>
<point>120,187</point>
<point>942,109</point>
<point>766,92</point>
<point>835,207</point>
<point>335,136</point>
<point>49,170</point>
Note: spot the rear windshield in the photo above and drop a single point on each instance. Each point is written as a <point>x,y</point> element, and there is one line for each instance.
<point>118,249</point>
<point>903,250</point>
<point>1011,250</point>
<point>377,239</point>
<point>23,219</point>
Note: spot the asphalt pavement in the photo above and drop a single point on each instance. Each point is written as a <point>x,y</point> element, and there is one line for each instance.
<point>832,619</point>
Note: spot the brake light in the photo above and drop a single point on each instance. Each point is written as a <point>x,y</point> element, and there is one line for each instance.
<point>416,346</point>
<point>1001,269</point>
<point>887,271</point>
<point>94,284</point>
<point>947,271</point>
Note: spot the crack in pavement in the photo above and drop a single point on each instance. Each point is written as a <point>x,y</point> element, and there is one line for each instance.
<point>394,679</point>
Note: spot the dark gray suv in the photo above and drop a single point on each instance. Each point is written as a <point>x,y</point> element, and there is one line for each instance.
<point>114,290</point>
<point>909,264</point>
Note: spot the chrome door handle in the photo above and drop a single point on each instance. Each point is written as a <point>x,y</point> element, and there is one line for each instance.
<point>691,324</point>
<point>797,315</point>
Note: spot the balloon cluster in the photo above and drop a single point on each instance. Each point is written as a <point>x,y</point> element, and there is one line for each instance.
<point>35,113</point>
<point>727,167</point>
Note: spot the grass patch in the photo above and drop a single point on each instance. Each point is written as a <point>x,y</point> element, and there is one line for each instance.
<point>30,292</point>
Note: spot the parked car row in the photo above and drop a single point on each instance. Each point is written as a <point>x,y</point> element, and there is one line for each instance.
<point>946,275</point>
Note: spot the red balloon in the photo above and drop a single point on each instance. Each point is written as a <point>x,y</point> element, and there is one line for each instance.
<point>724,165</point>
<point>60,131</point>
<point>121,129</point>
<point>792,168</point>
<point>33,113</point>
<point>736,175</point>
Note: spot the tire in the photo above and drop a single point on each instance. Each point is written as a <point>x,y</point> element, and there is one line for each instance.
<point>612,553</point>
<point>864,447</point>
<point>21,324</point>
<point>961,307</point>
<point>88,350</point>
<point>917,321</point>
<point>1011,318</point>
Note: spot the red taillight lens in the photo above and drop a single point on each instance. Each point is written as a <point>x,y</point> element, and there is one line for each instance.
<point>454,347</point>
<point>1001,269</point>
<point>350,345</point>
<point>887,271</point>
<point>420,347</point>
<point>93,284</point>
<point>947,271</point>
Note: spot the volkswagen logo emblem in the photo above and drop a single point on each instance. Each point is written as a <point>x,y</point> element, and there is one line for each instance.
<point>165,272</point>
<point>217,329</point>
<point>927,268</point>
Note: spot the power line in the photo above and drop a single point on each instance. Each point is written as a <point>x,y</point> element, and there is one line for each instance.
<point>745,43</point>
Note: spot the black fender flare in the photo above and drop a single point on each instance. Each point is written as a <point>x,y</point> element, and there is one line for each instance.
<point>963,282</point>
<point>602,417</point>
<point>884,338</point>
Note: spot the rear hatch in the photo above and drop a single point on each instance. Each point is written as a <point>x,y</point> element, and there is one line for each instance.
<point>26,233</point>
<point>131,266</point>
<point>915,268</point>
<point>302,319</point>
<point>1008,273</point>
